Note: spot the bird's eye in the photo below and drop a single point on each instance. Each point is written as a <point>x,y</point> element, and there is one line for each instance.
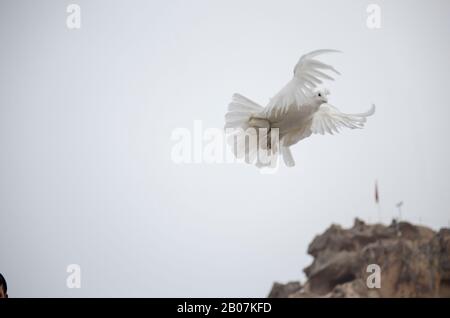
<point>320,95</point>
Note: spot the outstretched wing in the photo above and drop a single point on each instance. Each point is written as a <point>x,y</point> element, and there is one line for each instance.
<point>329,119</point>
<point>308,73</point>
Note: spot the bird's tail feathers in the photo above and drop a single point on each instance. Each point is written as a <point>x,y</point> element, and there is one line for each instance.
<point>240,111</point>
<point>250,129</point>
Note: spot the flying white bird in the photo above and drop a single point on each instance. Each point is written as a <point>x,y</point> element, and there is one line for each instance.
<point>298,110</point>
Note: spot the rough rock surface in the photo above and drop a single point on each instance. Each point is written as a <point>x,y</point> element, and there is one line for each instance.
<point>414,261</point>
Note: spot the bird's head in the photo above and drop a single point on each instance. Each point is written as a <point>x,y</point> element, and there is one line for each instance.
<point>322,96</point>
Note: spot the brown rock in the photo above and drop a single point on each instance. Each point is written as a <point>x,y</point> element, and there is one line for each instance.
<point>284,290</point>
<point>414,261</point>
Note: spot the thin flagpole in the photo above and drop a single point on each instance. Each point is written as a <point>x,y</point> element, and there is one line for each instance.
<point>399,206</point>
<point>377,201</point>
<point>379,212</point>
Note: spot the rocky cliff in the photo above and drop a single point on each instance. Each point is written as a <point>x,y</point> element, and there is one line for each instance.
<point>410,261</point>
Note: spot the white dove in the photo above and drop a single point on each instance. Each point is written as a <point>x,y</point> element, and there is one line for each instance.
<point>298,111</point>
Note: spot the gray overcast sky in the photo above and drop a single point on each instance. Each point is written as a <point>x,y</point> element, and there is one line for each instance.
<point>86,118</point>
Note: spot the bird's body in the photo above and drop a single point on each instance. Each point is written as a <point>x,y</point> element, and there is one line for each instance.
<point>292,122</point>
<point>297,112</point>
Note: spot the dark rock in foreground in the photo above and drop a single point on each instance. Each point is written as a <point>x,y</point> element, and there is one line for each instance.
<point>414,261</point>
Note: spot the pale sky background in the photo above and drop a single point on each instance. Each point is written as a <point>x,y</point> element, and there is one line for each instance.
<point>86,118</point>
